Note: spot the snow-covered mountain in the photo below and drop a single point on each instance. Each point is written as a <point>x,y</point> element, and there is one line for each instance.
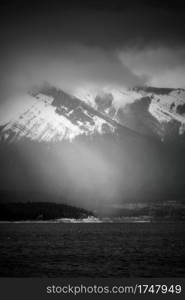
<point>54,116</point>
<point>167,106</point>
<point>158,112</point>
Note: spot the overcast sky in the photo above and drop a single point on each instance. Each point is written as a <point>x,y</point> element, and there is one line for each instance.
<point>74,44</point>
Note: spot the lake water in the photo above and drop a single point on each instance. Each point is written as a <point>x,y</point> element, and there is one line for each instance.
<point>92,250</point>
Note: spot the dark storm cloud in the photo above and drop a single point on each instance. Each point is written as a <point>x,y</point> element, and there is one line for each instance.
<point>97,23</point>
<point>90,42</point>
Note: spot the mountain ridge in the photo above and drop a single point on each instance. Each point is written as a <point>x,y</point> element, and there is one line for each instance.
<point>62,115</point>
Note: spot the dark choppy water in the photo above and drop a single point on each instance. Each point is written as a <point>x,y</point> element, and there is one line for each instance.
<point>94,250</point>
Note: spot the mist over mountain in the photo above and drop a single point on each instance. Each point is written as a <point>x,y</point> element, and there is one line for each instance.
<point>63,146</point>
<point>92,101</point>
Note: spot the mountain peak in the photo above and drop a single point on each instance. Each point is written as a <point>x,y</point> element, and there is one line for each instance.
<point>54,116</point>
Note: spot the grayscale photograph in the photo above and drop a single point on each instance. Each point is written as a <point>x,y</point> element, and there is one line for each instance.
<point>92,139</point>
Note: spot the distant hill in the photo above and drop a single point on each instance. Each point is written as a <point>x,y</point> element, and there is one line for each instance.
<point>40,211</point>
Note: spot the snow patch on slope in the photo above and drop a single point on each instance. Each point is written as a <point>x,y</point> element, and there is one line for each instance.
<point>165,107</point>
<point>41,122</point>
